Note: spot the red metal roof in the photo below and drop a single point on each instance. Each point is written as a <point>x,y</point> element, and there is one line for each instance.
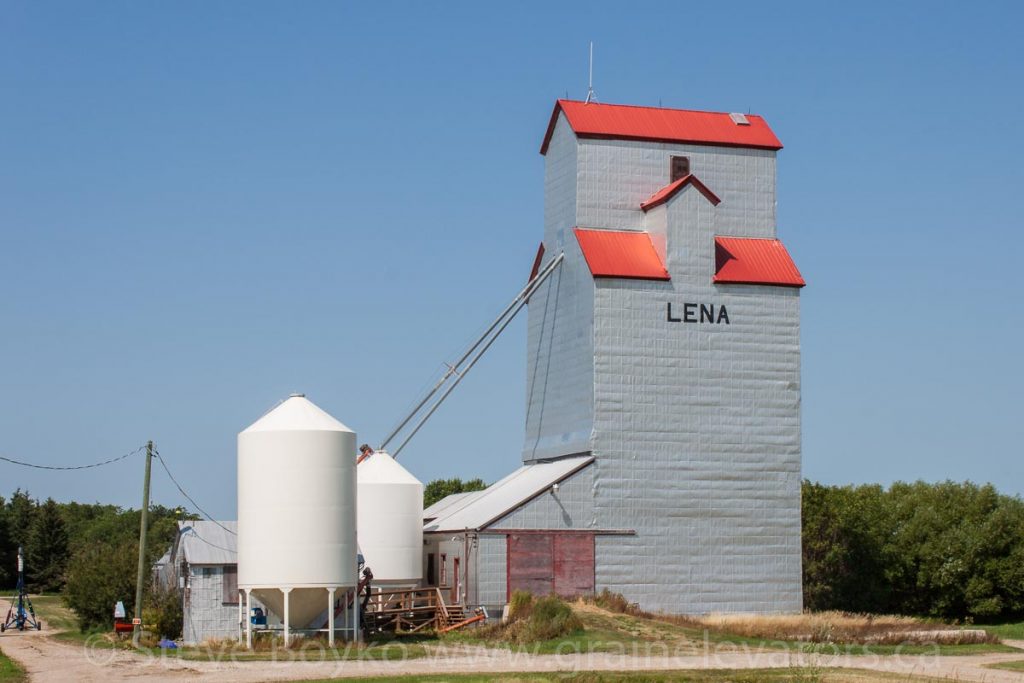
<point>666,193</point>
<point>754,261</point>
<point>616,253</point>
<point>625,122</point>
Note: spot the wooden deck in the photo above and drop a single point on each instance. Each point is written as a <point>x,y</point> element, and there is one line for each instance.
<point>415,610</point>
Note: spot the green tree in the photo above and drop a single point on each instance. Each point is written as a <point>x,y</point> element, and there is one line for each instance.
<point>440,488</point>
<point>951,550</point>
<point>8,569</point>
<point>104,557</point>
<point>46,551</point>
<point>98,576</point>
<point>21,512</point>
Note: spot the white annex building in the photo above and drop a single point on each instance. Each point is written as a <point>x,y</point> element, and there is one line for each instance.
<point>662,447</point>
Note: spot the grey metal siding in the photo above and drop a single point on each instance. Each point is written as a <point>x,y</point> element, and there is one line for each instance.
<point>559,362</point>
<point>491,579</point>
<point>697,435</point>
<point>206,616</point>
<point>695,427</point>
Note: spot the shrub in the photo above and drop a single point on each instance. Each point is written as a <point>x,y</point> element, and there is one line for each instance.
<point>550,618</point>
<point>615,602</point>
<point>97,577</point>
<point>163,612</point>
<point>534,619</point>
<point>520,606</point>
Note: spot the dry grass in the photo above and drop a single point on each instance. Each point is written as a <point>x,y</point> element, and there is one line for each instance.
<point>816,627</point>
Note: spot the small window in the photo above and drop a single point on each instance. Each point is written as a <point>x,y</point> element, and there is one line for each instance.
<point>230,596</point>
<point>739,119</point>
<point>444,569</point>
<point>679,167</point>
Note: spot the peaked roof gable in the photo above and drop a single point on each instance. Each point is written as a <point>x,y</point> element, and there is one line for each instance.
<point>656,124</point>
<point>666,193</point>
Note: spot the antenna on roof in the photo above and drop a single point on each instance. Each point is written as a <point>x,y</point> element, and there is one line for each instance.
<point>591,97</point>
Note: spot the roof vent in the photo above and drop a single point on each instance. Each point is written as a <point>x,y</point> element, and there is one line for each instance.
<point>739,119</point>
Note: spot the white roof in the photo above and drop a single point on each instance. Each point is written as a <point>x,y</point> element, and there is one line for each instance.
<point>381,468</point>
<point>204,542</point>
<point>297,413</point>
<point>480,509</point>
<point>435,510</point>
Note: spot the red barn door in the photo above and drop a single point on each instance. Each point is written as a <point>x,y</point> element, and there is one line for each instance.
<point>531,564</point>
<point>574,564</point>
<point>559,562</point>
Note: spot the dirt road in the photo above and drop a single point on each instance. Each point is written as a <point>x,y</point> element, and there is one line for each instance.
<point>48,660</point>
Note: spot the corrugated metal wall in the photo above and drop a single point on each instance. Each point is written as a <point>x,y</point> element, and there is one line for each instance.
<point>206,615</point>
<point>559,369</point>
<point>696,427</point>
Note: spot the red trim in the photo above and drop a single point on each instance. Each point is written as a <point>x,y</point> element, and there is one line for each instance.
<point>754,261</point>
<point>658,124</point>
<point>551,128</point>
<point>536,261</point>
<point>621,254</point>
<point>666,193</point>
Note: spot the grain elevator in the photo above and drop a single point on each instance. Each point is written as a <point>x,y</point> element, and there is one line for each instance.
<point>661,456</point>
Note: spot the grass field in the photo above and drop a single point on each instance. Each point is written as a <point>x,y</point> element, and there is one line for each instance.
<point>1012,630</point>
<point>1009,666</point>
<point>10,671</point>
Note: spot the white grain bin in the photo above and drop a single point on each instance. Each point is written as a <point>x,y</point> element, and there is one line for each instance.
<point>390,520</point>
<point>296,509</point>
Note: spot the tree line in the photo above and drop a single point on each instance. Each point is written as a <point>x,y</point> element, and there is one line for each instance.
<point>87,552</point>
<point>951,550</point>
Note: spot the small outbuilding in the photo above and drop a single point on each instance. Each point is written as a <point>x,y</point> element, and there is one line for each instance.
<point>203,565</point>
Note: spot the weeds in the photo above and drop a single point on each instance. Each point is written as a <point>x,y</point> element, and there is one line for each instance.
<point>817,627</point>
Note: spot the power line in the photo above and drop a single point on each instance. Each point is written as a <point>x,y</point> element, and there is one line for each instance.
<point>192,529</point>
<point>76,467</point>
<point>208,516</point>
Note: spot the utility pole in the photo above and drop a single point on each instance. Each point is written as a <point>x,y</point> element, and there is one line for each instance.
<point>143,528</point>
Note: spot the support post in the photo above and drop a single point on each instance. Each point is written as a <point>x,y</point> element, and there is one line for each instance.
<point>248,618</point>
<point>344,617</point>
<point>287,619</point>
<point>330,617</point>
<point>356,636</point>
<point>241,606</point>
<point>143,529</point>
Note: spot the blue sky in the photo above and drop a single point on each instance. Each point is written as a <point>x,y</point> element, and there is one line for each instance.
<point>206,206</point>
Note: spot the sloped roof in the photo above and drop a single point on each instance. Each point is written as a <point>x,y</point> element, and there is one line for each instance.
<point>754,261</point>
<point>620,253</point>
<point>204,542</point>
<point>478,510</point>
<point>657,124</point>
<point>438,508</point>
<point>666,193</point>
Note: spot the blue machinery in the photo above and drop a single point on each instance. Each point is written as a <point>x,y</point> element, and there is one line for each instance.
<point>21,615</point>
